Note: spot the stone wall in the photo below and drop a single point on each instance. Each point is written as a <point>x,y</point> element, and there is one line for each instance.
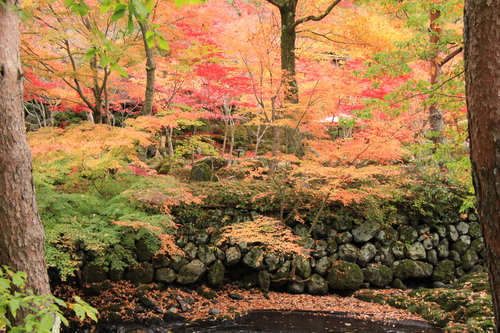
<point>344,256</point>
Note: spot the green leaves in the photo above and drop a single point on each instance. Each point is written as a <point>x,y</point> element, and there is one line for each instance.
<point>43,308</point>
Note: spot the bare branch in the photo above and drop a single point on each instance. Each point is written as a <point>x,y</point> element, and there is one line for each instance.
<point>317,18</point>
<point>451,56</point>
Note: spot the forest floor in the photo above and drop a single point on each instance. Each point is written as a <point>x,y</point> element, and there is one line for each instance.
<point>155,304</point>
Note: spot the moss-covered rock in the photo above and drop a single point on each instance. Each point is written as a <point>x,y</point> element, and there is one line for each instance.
<point>192,272</point>
<point>254,258</point>
<point>378,275</point>
<point>365,232</point>
<point>142,274</point>
<point>316,285</point>
<point>345,275</point>
<point>216,274</point>
<point>406,269</point>
<point>444,271</point>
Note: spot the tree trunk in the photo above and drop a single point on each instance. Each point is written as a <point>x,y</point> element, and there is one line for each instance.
<point>287,45</point>
<point>22,238</point>
<point>482,67</point>
<point>147,109</point>
<point>435,115</point>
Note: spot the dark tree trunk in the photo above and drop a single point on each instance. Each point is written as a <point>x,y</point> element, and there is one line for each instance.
<point>22,238</point>
<point>436,120</point>
<point>482,67</point>
<point>287,46</point>
<point>147,109</point>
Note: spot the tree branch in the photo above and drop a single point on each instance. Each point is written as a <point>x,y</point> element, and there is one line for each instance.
<point>429,91</point>
<point>451,56</point>
<point>316,18</point>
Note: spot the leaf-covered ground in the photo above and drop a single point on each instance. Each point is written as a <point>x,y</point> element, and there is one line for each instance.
<point>153,304</point>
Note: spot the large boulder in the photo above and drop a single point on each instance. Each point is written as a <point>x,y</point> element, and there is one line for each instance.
<point>206,254</point>
<point>366,254</point>
<point>316,285</point>
<point>365,232</point>
<point>233,256</point>
<point>416,251</point>
<point>444,271</point>
<point>191,272</point>
<point>348,252</point>
<point>345,275</point>
<point>254,258</point>
<point>216,274</point>
<point>378,275</point>
<point>406,269</point>
<point>165,275</point>
<point>303,267</point>
<point>142,274</point>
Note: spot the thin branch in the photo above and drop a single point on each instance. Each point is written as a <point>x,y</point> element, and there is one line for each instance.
<point>316,18</point>
<point>429,91</point>
<point>328,38</point>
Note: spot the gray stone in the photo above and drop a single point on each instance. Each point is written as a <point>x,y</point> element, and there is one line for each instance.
<point>432,256</point>
<point>416,251</point>
<point>427,243</point>
<point>475,230</point>
<point>282,274</point>
<point>398,250</point>
<point>192,272</point>
<point>441,230</point>
<point>178,260</point>
<point>398,284</point>
<point>455,256</point>
<point>296,287</point>
<point>407,234</point>
<point>319,231</point>
<point>202,173</point>
<point>344,275</point>
<point>364,232</point>
<point>264,280</point>
<point>142,274</point>
<point>469,260</point>
<point>462,228</point>
<point>216,274</point>
<point>254,258</point>
<point>452,233</point>
<point>161,260</point>
<point>344,238</point>
<point>272,261</point>
<point>301,230</point>
<point>342,223</point>
<point>316,285</point>
<point>322,266</point>
<point>460,246</point>
<point>477,245</point>
<point>378,275</point>
<point>348,252</point>
<point>201,237</point>
<point>214,312</point>
<point>190,251</point>
<point>387,235</point>
<point>206,254</point>
<point>332,246</point>
<point>165,275</point>
<point>444,271</point>
<point>406,269</point>
<point>366,254</point>
<point>464,238</point>
<point>385,256</point>
<point>424,230</point>
<point>233,256</point>
<point>443,249</point>
<point>303,267</point>
<point>320,249</point>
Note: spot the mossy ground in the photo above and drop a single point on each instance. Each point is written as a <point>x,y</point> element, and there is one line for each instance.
<point>463,307</point>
